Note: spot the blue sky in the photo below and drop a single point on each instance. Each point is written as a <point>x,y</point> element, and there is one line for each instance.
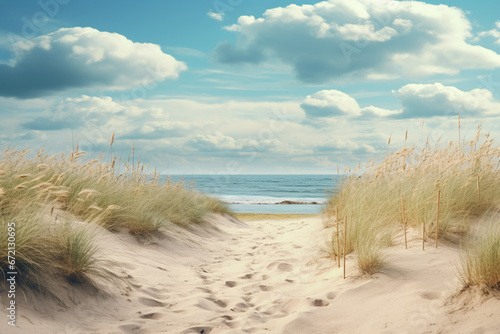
<point>240,86</point>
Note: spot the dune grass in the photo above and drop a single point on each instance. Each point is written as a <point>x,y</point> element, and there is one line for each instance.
<point>75,252</point>
<point>45,249</point>
<point>57,201</point>
<point>466,174</point>
<point>115,197</point>
<point>480,264</point>
<point>31,243</point>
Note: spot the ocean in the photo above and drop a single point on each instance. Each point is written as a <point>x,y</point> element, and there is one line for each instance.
<point>302,194</point>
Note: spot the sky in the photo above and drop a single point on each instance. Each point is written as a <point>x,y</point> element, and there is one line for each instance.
<point>247,86</point>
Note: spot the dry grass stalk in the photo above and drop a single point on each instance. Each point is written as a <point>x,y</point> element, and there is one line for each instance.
<point>478,190</point>
<point>404,219</point>
<point>388,144</point>
<point>423,235</point>
<point>21,186</point>
<point>87,193</point>
<point>337,218</point>
<point>437,217</point>
<point>345,241</point>
<point>42,185</point>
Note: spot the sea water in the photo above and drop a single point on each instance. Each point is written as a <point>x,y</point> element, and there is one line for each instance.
<point>303,194</point>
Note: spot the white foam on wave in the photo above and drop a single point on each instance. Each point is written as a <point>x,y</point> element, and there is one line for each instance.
<point>234,199</point>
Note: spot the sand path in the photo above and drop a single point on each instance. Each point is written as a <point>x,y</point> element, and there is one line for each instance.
<point>268,276</point>
<point>249,278</point>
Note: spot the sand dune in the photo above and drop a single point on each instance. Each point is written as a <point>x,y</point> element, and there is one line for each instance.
<point>264,276</point>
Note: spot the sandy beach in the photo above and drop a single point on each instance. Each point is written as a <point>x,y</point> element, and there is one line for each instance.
<point>261,276</point>
<point>250,167</point>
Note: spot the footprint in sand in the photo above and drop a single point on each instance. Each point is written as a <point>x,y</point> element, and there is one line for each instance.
<point>198,330</point>
<point>320,303</point>
<point>430,295</point>
<point>232,324</point>
<point>207,303</point>
<point>205,290</point>
<point>152,316</point>
<point>220,303</point>
<point>150,302</point>
<point>285,267</point>
<point>281,266</point>
<point>231,284</point>
<point>241,307</point>
<point>130,328</point>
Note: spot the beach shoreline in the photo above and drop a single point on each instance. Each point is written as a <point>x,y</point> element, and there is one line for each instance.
<point>249,216</point>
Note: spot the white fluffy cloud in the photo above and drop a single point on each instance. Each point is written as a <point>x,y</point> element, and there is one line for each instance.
<point>216,16</point>
<point>327,103</point>
<point>218,142</point>
<point>83,57</point>
<point>223,128</point>
<point>339,145</point>
<point>431,100</point>
<point>94,119</point>
<point>186,136</point>
<point>417,101</point>
<point>324,106</point>
<point>495,33</point>
<point>365,38</point>
<point>74,113</point>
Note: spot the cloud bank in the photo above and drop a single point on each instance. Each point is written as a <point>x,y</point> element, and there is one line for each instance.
<point>361,38</point>
<point>218,142</point>
<point>323,107</point>
<point>194,135</point>
<point>83,57</point>
<point>417,101</point>
<point>432,100</point>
